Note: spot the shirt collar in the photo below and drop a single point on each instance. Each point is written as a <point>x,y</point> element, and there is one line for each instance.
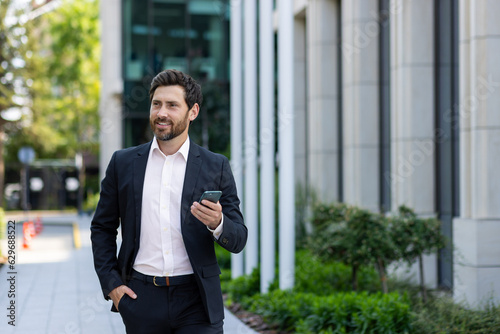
<point>183,150</point>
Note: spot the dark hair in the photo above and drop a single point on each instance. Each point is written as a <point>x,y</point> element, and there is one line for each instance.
<point>192,90</point>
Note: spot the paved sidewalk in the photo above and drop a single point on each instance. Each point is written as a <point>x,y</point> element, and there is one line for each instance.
<point>57,290</point>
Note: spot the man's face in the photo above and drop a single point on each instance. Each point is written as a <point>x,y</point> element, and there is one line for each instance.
<point>169,115</point>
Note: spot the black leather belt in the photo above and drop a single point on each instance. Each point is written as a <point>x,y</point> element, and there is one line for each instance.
<point>163,280</point>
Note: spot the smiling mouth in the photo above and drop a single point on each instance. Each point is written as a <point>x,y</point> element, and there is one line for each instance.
<point>163,124</point>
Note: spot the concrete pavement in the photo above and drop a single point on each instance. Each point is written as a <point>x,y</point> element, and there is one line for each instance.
<point>56,289</point>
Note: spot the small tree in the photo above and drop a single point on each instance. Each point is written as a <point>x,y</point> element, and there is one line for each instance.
<point>386,251</point>
<point>353,236</point>
<point>325,214</point>
<point>329,233</point>
<point>414,236</point>
<point>370,241</point>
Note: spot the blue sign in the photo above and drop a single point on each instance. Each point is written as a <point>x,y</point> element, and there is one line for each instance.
<point>26,155</point>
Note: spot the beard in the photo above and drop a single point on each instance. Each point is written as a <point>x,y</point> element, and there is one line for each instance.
<point>176,128</point>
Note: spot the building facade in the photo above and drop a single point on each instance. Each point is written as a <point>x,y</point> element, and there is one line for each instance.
<point>397,103</point>
<point>393,102</point>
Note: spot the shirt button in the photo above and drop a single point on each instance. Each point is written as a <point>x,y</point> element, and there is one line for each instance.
<point>164,229</point>
<point>166,252</point>
<point>163,206</point>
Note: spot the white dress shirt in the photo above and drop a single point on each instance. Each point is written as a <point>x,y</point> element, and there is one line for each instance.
<point>162,251</point>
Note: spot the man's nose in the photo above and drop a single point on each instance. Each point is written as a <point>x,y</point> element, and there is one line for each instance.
<point>162,112</point>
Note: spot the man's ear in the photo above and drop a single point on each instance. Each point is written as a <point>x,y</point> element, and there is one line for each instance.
<point>193,113</point>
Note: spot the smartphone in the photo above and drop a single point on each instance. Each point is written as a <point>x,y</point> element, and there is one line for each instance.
<point>211,195</point>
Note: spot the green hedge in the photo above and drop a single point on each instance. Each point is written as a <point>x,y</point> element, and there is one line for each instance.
<point>338,313</point>
<point>320,277</point>
<point>223,257</point>
<point>311,275</point>
<point>242,286</point>
<point>319,303</point>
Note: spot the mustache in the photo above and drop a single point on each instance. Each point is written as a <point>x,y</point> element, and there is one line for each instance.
<point>163,120</point>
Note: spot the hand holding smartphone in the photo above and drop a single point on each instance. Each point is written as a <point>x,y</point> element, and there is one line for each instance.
<point>211,195</point>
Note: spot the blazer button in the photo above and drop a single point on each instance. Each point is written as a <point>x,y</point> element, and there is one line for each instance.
<point>225,241</point>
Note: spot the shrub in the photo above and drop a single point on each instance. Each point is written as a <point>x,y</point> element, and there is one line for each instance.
<point>311,275</point>
<point>359,237</point>
<point>325,277</point>
<point>353,236</point>
<point>443,315</point>
<point>243,286</point>
<point>325,214</point>
<point>338,313</point>
<point>225,275</point>
<point>414,236</point>
<point>223,257</point>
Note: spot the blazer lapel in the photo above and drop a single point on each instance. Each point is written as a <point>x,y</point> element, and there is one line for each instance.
<point>190,178</point>
<point>140,163</point>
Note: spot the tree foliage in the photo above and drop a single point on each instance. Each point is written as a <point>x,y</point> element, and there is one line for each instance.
<point>11,55</point>
<point>62,65</point>
<point>12,84</point>
<point>359,237</point>
<point>353,236</point>
<point>415,236</point>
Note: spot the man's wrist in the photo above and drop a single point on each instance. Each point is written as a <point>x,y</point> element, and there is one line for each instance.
<point>212,229</point>
<point>217,231</point>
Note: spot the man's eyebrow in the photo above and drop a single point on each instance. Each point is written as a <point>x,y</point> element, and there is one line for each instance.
<point>167,101</point>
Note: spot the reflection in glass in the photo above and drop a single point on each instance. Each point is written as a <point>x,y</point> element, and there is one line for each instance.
<point>191,36</point>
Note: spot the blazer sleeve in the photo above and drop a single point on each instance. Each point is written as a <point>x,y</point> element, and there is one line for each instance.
<point>234,234</point>
<point>104,229</point>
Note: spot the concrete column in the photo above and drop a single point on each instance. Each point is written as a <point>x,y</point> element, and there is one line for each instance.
<point>236,117</point>
<point>322,43</point>
<point>110,106</point>
<point>286,146</point>
<point>300,101</point>
<point>250,127</point>
<point>267,145</point>
<point>301,123</point>
<point>412,112</point>
<point>476,233</point>
<point>360,86</point>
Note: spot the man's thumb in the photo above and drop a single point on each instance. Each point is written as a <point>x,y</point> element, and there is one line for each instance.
<point>131,293</point>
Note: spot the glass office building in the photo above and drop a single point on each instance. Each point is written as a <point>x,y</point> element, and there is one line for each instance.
<point>189,35</point>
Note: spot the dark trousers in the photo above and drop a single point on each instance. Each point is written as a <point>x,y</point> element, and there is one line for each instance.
<point>165,310</point>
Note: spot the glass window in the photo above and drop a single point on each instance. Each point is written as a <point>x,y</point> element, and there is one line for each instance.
<point>191,36</point>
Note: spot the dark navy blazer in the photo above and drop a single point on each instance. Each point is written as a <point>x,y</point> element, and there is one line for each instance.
<point>120,203</point>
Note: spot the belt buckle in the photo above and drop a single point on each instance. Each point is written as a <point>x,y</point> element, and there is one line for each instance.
<point>166,281</point>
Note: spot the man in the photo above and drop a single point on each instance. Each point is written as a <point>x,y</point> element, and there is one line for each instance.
<point>166,277</point>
